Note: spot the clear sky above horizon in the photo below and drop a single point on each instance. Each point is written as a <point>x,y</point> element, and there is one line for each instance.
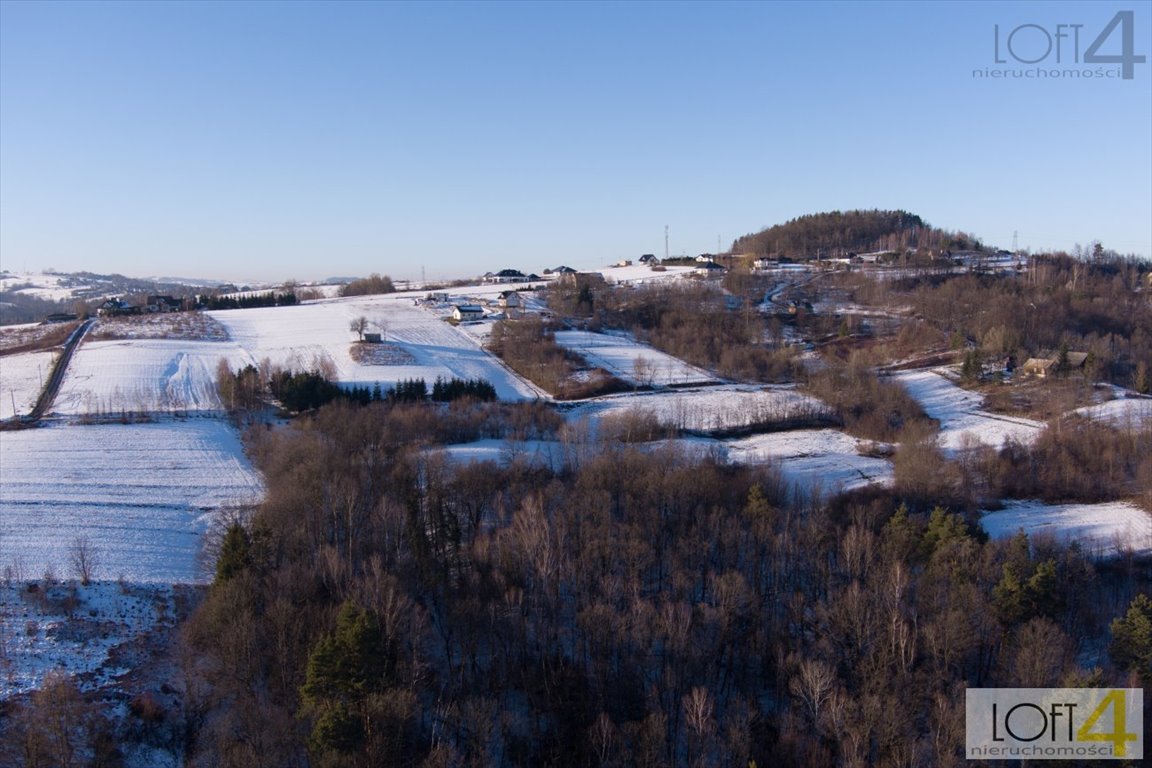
<point>267,140</point>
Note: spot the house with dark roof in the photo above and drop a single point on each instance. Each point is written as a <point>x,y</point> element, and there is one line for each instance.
<point>165,304</point>
<point>508,299</point>
<point>709,269</point>
<point>467,313</point>
<point>506,276</point>
<point>116,308</point>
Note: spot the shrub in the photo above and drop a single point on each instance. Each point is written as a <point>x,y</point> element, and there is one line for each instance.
<point>369,286</point>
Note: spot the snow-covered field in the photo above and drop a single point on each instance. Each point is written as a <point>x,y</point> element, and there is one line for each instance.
<point>814,460</point>
<point>21,378</point>
<point>141,495</point>
<point>542,453</point>
<point>1123,412</point>
<point>641,273</point>
<point>631,361</point>
<point>303,337</point>
<point>963,422</point>
<point>152,375</point>
<point>708,409</point>
<point>1104,530</point>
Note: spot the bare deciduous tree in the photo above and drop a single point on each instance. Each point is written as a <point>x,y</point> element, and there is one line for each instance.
<point>813,684</point>
<point>84,559</point>
<point>358,325</point>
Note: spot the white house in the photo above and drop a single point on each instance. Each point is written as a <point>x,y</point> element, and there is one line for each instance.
<point>709,269</point>
<point>464,313</point>
<point>509,299</point>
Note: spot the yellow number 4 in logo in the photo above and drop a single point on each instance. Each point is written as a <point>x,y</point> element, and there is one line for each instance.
<point>1119,735</point>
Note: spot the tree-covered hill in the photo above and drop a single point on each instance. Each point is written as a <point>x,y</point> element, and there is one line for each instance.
<point>838,233</point>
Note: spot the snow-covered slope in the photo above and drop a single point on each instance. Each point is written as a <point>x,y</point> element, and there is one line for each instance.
<point>1104,530</point>
<point>303,337</point>
<point>21,378</point>
<point>153,375</point>
<point>961,415</point>
<point>630,360</point>
<point>142,495</point>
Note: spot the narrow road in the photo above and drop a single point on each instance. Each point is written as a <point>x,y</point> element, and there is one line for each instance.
<point>48,396</point>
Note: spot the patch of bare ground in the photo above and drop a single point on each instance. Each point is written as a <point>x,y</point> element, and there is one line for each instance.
<point>149,706</point>
<point>383,353</point>
<point>131,711</point>
<point>188,326</point>
<point>1036,398</point>
<point>31,338</point>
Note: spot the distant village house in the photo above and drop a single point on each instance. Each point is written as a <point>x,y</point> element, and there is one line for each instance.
<point>508,276</point>
<point>165,304</point>
<point>709,269</point>
<point>1041,367</point>
<point>116,308</point>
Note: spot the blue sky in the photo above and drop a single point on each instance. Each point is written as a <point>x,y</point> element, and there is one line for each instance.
<point>259,141</point>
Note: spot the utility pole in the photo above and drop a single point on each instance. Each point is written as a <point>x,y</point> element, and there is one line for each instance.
<point>665,242</point>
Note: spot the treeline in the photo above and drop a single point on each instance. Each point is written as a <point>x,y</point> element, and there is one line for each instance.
<point>248,301</point>
<point>839,233</point>
<point>1074,459</point>
<point>691,321</point>
<point>443,390</point>
<point>867,405</point>
<point>529,347</point>
<point>629,608</point>
<point>369,286</point>
<point>248,389</point>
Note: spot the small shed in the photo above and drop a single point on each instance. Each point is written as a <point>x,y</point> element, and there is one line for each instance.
<point>372,338</point>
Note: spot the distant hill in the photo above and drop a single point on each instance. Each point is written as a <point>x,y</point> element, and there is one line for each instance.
<point>29,297</point>
<point>838,233</point>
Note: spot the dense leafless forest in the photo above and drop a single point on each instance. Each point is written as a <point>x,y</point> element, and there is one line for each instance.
<point>385,607</point>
